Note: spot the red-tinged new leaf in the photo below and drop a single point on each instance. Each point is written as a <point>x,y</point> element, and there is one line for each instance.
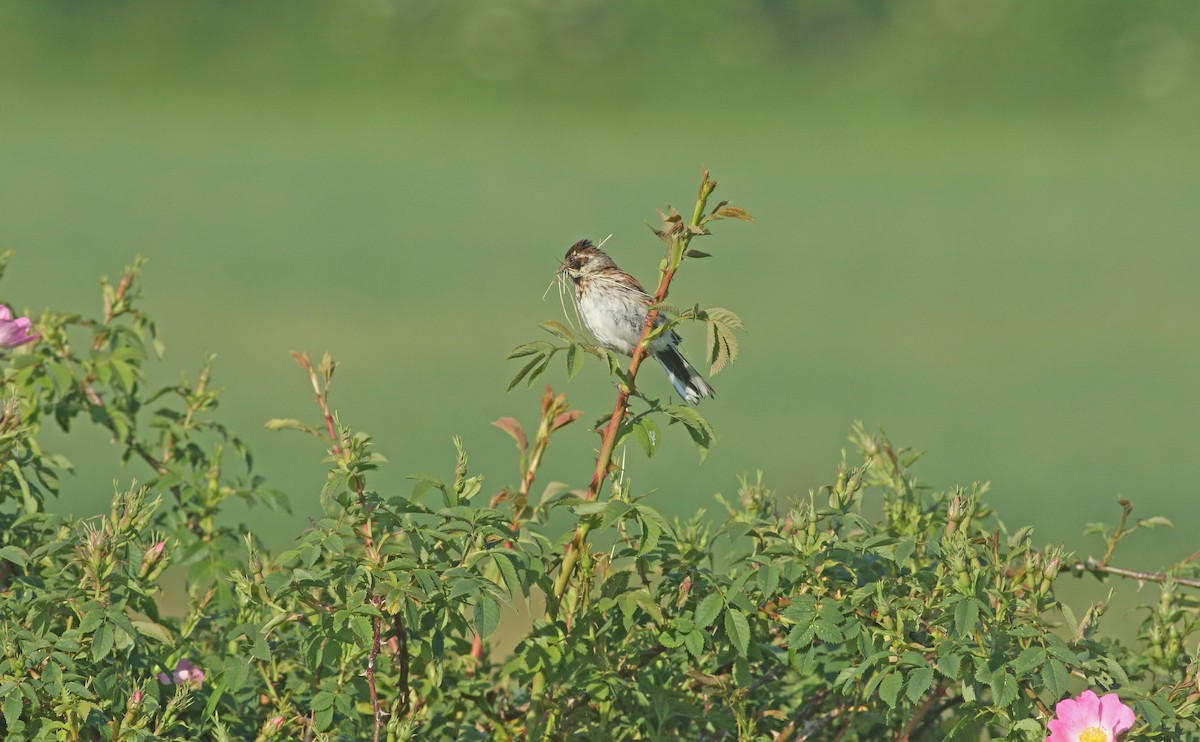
<point>513,428</point>
<point>732,212</point>
<point>565,419</point>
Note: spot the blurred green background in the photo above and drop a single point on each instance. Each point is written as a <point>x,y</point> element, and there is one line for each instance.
<point>978,224</point>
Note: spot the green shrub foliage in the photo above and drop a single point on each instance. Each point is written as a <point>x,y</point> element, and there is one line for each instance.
<point>872,608</point>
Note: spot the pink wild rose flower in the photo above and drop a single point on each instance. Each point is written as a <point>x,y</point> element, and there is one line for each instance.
<point>184,674</point>
<point>1089,718</point>
<point>15,332</point>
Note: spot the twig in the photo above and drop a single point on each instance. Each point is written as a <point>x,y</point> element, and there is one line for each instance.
<point>1037,701</point>
<point>906,734</point>
<point>376,710</point>
<point>1094,567</point>
<point>402,654</point>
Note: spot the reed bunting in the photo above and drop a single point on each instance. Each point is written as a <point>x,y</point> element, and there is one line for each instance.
<point>613,306</point>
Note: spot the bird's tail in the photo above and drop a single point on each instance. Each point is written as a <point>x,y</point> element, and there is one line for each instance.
<point>684,377</point>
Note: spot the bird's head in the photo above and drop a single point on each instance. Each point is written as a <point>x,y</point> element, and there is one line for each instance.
<point>583,258</point>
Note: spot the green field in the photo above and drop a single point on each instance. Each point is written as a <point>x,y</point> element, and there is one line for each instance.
<point>1007,281</point>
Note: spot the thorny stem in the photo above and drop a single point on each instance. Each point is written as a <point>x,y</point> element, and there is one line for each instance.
<point>919,715</point>
<point>376,710</point>
<point>1033,696</point>
<point>401,634</point>
<point>1091,565</point>
<point>1119,532</point>
<point>678,246</point>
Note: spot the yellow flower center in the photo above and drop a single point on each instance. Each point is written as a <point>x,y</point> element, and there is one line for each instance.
<point>1093,734</point>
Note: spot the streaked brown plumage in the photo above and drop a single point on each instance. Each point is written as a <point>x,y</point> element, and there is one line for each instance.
<point>613,306</point>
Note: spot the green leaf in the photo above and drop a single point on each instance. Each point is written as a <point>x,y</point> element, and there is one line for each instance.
<point>966,615</point>
<point>31,503</point>
<point>1116,670</point>
<point>904,549</point>
<point>524,371</point>
<point>554,327</point>
<point>14,554</point>
<point>154,631</point>
<point>509,572</point>
<point>363,627</point>
<point>1004,688</point>
<point>949,665</point>
<point>722,342</point>
<point>12,709</point>
<point>574,361</point>
<point>538,347</point>
<point>708,610</point>
<point>828,632</point>
<point>1029,660</point>
<point>487,615</point>
<point>589,508</point>
<point>801,636</point>
<point>737,628</point>
<point>698,427</point>
<point>889,689</point>
<point>651,532</point>
<point>768,579</point>
<point>919,682</point>
<point>285,423</point>
<point>102,642</point>
<point>646,431</point>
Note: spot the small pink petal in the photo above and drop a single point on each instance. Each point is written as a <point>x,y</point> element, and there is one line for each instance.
<point>1114,715</point>
<point>4,312</point>
<point>163,678</point>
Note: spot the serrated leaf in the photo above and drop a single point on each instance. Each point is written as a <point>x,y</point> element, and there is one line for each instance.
<point>487,615</point>
<point>801,636</point>
<point>647,434</point>
<point>768,579</point>
<point>949,664</point>
<point>1029,660</point>
<point>1155,522</point>
<point>285,423</point>
<point>966,615</point>
<point>589,508</point>
<point>528,367</point>
<point>554,327</point>
<point>889,688</point>
<point>828,632</point>
<point>1004,688</point>
<point>154,631</point>
<point>698,427</point>
<point>1116,670</point>
<point>904,549</point>
<point>508,572</point>
<point>574,361</point>
<point>732,212</point>
<point>14,554</point>
<point>12,709</point>
<point>919,681</point>
<point>708,610</point>
<point>102,642</point>
<point>737,628</point>
<point>537,347</point>
<point>651,532</point>
<point>513,428</point>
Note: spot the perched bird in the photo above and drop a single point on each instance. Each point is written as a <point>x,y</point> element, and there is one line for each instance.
<point>613,306</point>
